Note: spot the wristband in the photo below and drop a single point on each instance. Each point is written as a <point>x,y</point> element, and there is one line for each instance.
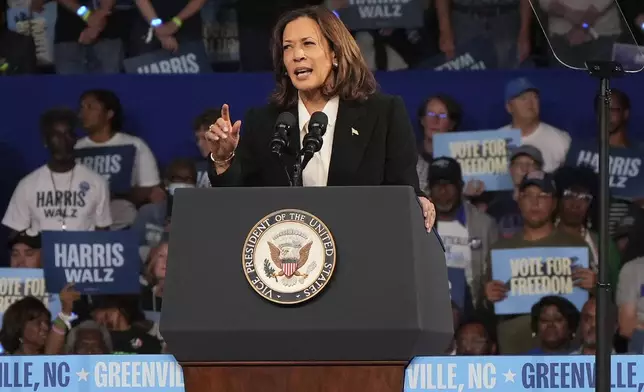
<point>212,158</point>
<point>83,12</point>
<point>65,319</point>
<point>177,21</point>
<point>156,22</point>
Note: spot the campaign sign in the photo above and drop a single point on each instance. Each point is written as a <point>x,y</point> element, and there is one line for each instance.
<point>625,177</point>
<point>191,58</point>
<point>457,286</point>
<point>202,173</point>
<point>382,14</point>
<point>532,273</point>
<point>483,155</point>
<point>91,373</point>
<point>477,54</point>
<point>631,57</point>
<point>520,373</point>
<point>97,262</point>
<point>114,163</point>
<point>17,283</point>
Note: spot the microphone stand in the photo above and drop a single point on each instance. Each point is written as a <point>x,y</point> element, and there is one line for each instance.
<point>604,71</point>
<point>296,180</point>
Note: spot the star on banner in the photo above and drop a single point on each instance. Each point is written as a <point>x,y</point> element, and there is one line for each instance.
<point>82,375</point>
<point>509,376</point>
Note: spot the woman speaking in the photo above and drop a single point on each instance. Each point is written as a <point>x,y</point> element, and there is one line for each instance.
<point>318,66</point>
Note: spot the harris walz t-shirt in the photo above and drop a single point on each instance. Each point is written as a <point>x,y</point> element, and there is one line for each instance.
<point>69,26</point>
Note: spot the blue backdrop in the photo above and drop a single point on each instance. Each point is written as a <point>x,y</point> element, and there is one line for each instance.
<point>161,108</point>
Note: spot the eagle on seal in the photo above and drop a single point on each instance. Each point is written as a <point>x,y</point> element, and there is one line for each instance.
<point>286,264</point>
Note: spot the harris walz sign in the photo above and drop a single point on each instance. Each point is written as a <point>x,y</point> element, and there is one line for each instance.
<point>191,58</point>
<point>382,14</point>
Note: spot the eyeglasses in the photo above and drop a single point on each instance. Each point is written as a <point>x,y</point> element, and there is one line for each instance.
<point>582,196</point>
<point>442,116</point>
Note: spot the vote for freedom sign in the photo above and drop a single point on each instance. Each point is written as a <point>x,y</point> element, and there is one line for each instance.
<point>114,163</point>
<point>532,273</point>
<point>97,262</point>
<point>519,373</point>
<point>483,155</point>
<point>18,283</point>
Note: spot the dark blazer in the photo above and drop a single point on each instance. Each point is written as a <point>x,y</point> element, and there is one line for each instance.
<point>383,152</point>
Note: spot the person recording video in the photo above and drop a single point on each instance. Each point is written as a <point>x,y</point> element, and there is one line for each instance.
<point>350,133</point>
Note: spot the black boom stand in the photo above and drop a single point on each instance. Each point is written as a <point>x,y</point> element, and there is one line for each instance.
<point>604,71</point>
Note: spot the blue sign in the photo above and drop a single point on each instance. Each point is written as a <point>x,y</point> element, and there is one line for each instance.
<point>457,285</point>
<point>631,57</point>
<point>191,58</point>
<point>477,54</point>
<point>90,373</point>
<point>519,373</point>
<point>383,14</point>
<point>17,283</point>
<point>97,262</point>
<point>625,177</point>
<point>483,155</point>
<point>202,173</point>
<point>532,273</point>
<point>114,163</point>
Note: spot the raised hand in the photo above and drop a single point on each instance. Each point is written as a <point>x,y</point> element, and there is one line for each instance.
<point>223,136</point>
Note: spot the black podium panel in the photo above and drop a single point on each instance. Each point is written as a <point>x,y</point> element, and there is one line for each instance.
<point>388,298</point>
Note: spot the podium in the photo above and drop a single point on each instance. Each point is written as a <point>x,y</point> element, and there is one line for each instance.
<point>386,301</point>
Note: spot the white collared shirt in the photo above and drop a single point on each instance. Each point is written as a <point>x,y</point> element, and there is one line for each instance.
<point>316,172</point>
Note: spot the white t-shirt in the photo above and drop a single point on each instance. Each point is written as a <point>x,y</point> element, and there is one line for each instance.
<point>145,172</point>
<point>45,200</point>
<point>458,253</point>
<point>552,142</point>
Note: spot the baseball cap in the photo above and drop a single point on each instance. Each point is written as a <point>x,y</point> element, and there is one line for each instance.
<point>516,87</point>
<point>445,169</point>
<point>528,150</point>
<point>24,237</point>
<point>539,178</point>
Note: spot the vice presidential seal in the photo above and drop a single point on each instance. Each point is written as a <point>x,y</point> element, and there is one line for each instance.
<point>289,256</point>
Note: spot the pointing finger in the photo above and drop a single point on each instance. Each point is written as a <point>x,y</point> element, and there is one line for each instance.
<point>225,113</point>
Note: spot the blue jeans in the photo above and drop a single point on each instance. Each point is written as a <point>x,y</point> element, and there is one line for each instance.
<point>502,29</point>
<point>103,57</point>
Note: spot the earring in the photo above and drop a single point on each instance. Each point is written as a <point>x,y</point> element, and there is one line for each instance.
<point>335,64</point>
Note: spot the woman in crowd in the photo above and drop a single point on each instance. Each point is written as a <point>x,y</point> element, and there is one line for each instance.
<point>318,67</point>
<point>88,338</point>
<point>577,188</point>
<point>554,323</point>
<point>438,114</point>
<point>152,293</point>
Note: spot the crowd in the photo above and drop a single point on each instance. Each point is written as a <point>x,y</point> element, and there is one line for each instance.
<point>78,37</point>
<point>551,205</point>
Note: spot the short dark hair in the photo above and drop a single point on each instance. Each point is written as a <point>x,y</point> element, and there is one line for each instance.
<point>55,116</point>
<point>111,102</point>
<point>473,321</point>
<point>619,95</point>
<point>350,80</point>
<point>565,307</point>
<point>206,118</point>
<point>15,318</point>
<point>183,163</point>
<point>454,110</point>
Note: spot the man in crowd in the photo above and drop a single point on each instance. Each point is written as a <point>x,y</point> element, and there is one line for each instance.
<point>504,207</point>
<point>60,195</point>
<point>25,250</point>
<point>587,327</point>
<point>523,104</point>
<point>466,232</point>
<point>537,203</point>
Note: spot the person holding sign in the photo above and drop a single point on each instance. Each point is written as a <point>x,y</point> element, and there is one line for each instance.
<point>537,203</point>
<point>60,195</point>
<point>319,68</point>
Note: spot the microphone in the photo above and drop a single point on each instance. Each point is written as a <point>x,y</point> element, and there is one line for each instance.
<point>312,142</point>
<point>280,139</point>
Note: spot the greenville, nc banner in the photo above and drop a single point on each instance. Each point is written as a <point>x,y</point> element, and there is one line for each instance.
<point>191,58</point>
<point>625,175</point>
<point>90,373</point>
<point>382,14</point>
<point>97,262</point>
<point>114,163</point>
<point>532,273</point>
<point>483,155</point>
<point>477,54</point>
<point>17,283</point>
<point>520,373</point>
